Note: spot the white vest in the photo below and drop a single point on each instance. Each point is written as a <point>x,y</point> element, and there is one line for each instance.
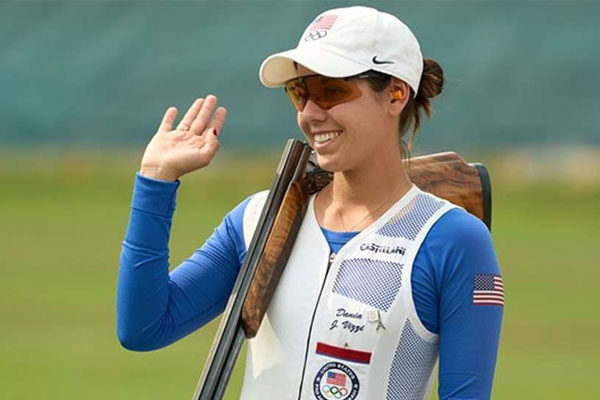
<point>344,326</point>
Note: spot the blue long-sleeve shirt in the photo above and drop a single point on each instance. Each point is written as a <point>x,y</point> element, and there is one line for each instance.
<point>156,308</point>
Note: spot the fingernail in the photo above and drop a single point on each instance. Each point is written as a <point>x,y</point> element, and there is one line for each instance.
<point>215,131</point>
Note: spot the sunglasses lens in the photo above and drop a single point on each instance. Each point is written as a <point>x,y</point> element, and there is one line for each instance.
<point>325,92</point>
<point>328,92</point>
<point>297,93</point>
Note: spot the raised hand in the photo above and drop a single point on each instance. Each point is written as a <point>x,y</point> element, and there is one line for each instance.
<point>174,152</point>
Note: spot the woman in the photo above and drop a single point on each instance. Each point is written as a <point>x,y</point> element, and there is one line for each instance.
<point>382,279</point>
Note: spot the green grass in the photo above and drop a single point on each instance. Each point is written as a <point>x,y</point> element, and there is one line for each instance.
<point>63,219</point>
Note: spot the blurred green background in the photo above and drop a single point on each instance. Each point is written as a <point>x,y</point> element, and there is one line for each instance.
<point>84,84</point>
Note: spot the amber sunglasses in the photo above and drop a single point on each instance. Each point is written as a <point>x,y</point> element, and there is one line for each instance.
<point>324,91</point>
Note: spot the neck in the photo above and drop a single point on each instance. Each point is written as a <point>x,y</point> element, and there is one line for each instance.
<point>359,196</point>
<point>370,185</point>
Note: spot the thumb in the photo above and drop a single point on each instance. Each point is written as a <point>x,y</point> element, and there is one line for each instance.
<point>211,144</point>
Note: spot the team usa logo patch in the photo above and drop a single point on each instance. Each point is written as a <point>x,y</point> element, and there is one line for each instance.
<point>336,381</point>
<point>488,290</point>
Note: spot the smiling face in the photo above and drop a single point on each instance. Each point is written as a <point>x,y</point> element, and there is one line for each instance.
<point>350,134</point>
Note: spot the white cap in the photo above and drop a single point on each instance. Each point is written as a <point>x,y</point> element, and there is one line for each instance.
<point>347,41</point>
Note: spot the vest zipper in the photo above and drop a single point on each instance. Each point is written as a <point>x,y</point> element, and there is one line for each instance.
<point>331,259</point>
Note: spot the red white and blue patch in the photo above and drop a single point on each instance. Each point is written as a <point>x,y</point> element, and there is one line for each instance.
<point>336,381</point>
<point>323,22</point>
<point>488,290</point>
<point>343,353</point>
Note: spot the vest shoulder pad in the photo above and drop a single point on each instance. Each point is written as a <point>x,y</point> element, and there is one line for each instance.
<point>252,214</point>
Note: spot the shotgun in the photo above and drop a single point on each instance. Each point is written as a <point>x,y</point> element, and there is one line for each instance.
<point>446,175</point>
<point>230,334</point>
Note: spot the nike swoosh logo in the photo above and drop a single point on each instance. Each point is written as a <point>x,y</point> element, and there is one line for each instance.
<point>376,61</point>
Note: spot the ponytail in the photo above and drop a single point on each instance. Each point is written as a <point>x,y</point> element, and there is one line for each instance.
<point>432,84</point>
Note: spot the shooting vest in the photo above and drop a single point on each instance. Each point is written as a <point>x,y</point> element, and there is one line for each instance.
<point>344,326</point>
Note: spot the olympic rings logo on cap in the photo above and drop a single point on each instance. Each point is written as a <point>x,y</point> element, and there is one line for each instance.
<point>315,35</point>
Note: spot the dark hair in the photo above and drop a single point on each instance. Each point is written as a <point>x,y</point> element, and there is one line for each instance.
<point>432,84</point>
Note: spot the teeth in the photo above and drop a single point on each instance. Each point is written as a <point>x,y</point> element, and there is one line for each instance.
<point>326,137</point>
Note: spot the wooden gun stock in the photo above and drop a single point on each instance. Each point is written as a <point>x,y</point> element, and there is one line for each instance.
<point>273,261</point>
<point>449,176</point>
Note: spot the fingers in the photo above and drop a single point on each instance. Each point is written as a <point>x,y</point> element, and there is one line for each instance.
<point>201,121</point>
<point>167,122</point>
<point>190,115</point>
<point>198,119</point>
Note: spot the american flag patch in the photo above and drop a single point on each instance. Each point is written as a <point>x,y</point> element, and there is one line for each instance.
<point>336,378</point>
<point>488,290</point>
<point>323,22</point>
